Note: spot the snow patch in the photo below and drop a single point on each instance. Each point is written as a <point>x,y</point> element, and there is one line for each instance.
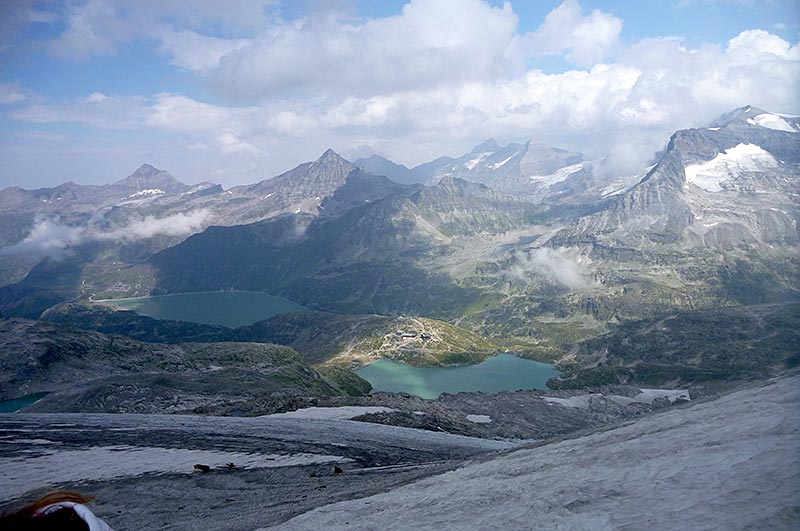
<point>728,165</point>
<point>503,163</point>
<point>479,419</point>
<point>647,396</point>
<point>771,121</point>
<point>148,192</point>
<point>560,175</point>
<point>22,473</point>
<point>578,402</point>
<point>470,165</point>
<point>332,413</point>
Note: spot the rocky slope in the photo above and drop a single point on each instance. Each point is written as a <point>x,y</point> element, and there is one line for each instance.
<point>730,463</point>
<point>690,347</point>
<point>320,337</point>
<point>90,371</point>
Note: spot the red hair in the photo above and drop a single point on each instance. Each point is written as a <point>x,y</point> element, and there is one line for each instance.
<point>66,519</point>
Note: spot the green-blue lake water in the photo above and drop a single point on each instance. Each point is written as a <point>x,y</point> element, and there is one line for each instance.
<point>503,372</point>
<point>10,406</point>
<point>227,308</point>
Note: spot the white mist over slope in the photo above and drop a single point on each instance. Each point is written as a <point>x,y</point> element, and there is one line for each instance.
<point>51,238</point>
<point>553,266</point>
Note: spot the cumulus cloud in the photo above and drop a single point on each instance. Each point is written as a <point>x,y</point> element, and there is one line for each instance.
<point>49,237</point>
<point>432,42</point>
<point>195,52</point>
<point>581,39</point>
<point>100,27</point>
<point>435,79</point>
<point>552,266</point>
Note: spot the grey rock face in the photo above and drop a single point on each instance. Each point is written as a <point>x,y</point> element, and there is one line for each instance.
<point>721,186</point>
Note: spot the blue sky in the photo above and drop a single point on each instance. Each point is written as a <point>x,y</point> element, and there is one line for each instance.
<point>240,91</point>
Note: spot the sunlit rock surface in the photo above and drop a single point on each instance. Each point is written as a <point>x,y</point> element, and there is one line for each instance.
<point>731,463</point>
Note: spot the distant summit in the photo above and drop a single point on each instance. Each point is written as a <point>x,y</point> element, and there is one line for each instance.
<point>749,116</point>
<point>490,144</point>
<point>148,177</point>
<point>377,165</point>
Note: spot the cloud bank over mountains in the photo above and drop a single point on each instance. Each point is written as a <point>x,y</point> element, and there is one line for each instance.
<point>51,238</point>
<point>436,78</point>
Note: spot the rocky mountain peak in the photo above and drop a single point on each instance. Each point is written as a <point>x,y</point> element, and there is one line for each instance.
<point>489,144</point>
<point>148,177</point>
<point>330,156</point>
<point>145,170</point>
<point>742,114</point>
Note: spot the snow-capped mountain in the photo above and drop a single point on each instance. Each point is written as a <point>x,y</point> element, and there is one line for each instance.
<point>734,182</point>
<point>532,171</point>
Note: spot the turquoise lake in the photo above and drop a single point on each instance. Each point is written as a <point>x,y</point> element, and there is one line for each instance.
<point>503,372</point>
<point>10,406</point>
<point>227,308</point>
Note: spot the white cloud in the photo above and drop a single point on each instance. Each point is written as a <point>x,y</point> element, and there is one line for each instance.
<point>93,28</point>
<point>176,113</point>
<point>435,79</point>
<point>96,110</point>
<point>99,27</point>
<point>47,238</point>
<point>430,43</point>
<point>583,39</point>
<point>150,226</point>
<point>553,266</point>
<point>230,143</point>
<point>195,52</point>
<point>11,93</point>
<point>50,238</point>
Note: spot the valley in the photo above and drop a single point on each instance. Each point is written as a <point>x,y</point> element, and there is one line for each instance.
<point>332,318</point>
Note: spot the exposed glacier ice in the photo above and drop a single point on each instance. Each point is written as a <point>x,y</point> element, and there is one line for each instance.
<point>477,160</point>
<point>728,165</point>
<point>731,463</point>
<point>560,175</point>
<point>772,121</point>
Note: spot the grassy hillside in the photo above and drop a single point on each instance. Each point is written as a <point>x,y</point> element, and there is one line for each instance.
<point>687,347</point>
<point>320,337</point>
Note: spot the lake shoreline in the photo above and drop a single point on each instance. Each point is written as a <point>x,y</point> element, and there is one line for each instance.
<point>502,372</point>
<point>225,308</point>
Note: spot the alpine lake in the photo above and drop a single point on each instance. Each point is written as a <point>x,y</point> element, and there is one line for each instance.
<point>504,372</point>
<point>226,308</point>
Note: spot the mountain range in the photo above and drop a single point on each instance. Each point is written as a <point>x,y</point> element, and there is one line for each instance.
<point>525,244</point>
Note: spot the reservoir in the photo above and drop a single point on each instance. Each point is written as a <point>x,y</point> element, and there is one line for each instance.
<point>226,308</point>
<point>503,372</point>
<point>15,404</point>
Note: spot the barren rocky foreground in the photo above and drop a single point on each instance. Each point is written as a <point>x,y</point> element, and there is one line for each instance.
<point>727,463</point>
<point>140,467</point>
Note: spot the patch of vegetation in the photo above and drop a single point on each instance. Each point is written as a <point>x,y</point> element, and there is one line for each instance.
<point>693,346</point>
<point>320,337</point>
